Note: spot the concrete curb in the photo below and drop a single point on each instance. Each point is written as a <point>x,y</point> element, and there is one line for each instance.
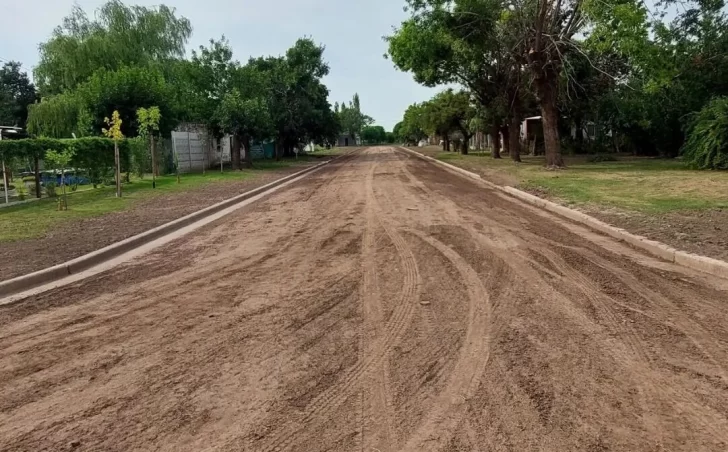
<point>77,265</point>
<point>704,264</point>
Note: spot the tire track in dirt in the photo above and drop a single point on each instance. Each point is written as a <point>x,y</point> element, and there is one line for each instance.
<point>316,411</point>
<point>450,405</point>
<point>643,363</point>
<point>376,400</point>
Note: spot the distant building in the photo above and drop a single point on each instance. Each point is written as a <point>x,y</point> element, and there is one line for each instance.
<point>346,139</point>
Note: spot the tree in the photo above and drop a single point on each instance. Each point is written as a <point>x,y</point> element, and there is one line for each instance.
<point>59,160</point>
<point>126,90</point>
<point>447,112</point>
<point>352,119</point>
<point>297,99</point>
<point>412,127</point>
<point>16,93</point>
<point>244,118</point>
<point>373,135</point>
<point>148,123</point>
<point>464,42</point>
<point>118,36</point>
<point>60,116</point>
<point>114,132</point>
<point>707,143</point>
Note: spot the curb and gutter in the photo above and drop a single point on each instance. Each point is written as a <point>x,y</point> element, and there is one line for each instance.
<point>81,263</point>
<point>704,264</point>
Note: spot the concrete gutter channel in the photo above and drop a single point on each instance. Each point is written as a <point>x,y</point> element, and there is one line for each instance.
<point>704,264</point>
<point>79,264</point>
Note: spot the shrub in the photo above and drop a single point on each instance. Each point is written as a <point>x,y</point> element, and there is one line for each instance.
<point>22,191</point>
<point>50,189</point>
<point>706,146</point>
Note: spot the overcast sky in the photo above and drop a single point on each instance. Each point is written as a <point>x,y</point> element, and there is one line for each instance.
<point>351,30</point>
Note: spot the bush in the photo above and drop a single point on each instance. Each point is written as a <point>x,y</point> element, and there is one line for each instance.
<point>706,146</point>
<point>22,191</point>
<point>50,189</point>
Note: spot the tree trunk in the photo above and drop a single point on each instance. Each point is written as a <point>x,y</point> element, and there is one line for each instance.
<point>515,142</point>
<point>117,169</point>
<point>154,162</point>
<point>279,149</point>
<point>579,137</point>
<point>506,139</point>
<point>36,168</point>
<point>447,144</point>
<point>235,152</point>
<point>466,144</point>
<point>550,121</point>
<point>248,152</point>
<point>495,132</point>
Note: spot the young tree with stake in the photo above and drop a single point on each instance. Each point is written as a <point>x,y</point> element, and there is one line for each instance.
<point>148,119</point>
<point>114,132</point>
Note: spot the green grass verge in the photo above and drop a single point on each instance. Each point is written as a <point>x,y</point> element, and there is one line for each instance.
<point>639,184</point>
<point>36,219</point>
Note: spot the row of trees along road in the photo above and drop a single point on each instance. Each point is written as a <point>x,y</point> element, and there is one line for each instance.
<point>131,57</point>
<point>653,77</point>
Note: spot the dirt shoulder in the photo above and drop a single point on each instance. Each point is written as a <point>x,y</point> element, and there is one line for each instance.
<point>658,199</point>
<point>77,237</point>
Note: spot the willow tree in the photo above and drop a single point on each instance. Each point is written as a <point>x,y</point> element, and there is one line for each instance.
<point>117,36</point>
<point>59,116</point>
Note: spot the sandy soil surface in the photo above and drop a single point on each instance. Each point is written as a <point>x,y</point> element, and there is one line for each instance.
<point>381,304</point>
<point>80,237</point>
<point>703,232</point>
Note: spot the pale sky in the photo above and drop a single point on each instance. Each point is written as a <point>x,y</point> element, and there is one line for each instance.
<point>351,30</point>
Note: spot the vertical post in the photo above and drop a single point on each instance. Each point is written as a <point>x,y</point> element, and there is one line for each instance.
<point>219,144</point>
<point>154,161</point>
<point>205,151</point>
<point>5,183</point>
<point>189,150</point>
<point>38,194</point>
<point>117,163</point>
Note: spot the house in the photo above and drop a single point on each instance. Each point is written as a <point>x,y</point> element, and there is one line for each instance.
<point>347,139</point>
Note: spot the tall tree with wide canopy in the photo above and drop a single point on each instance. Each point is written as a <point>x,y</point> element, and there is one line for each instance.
<point>464,42</point>
<point>118,36</point>
<point>297,98</point>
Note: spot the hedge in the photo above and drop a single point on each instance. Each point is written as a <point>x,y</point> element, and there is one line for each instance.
<point>94,154</point>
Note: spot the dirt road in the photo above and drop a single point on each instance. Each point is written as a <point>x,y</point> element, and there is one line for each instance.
<point>381,304</point>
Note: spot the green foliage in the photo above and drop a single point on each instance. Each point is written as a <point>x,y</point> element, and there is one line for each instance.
<point>59,159</point>
<point>93,154</point>
<point>50,189</point>
<point>412,128</point>
<point>22,191</point>
<point>126,90</point>
<point>707,136</point>
<point>373,135</point>
<point>16,93</point>
<point>116,37</point>
<point>351,118</point>
<point>59,116</point>
<point>138,150</point>
<point>245,117</point>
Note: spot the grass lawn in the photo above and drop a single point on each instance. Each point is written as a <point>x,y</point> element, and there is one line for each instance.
<point>35,219</point>
<point>632,183</point>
